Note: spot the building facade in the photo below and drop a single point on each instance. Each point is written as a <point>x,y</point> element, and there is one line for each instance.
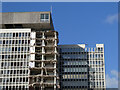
<point>30,58</point>
<point>43,61</point>
<point>28,52</point>
<point>81,67</point>
<point>14,58</point>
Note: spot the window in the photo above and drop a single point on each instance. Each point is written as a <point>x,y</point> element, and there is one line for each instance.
<point>0,41</point>
<point>6,41</point>
<point>16,34</point>
<point>10,41</point>
<point>98,49</point>
<point>44,17</point>
<point>19,34</point>
<point>0,35</point>
<point>101,55</point>
<point>101,49</point>
<point>19,41</point>
<point>3,41</point>
<point>22,34</point>
<point>25,34</point>
<point>13,34</point>
<point>18,48</point>
<point>103,83</point>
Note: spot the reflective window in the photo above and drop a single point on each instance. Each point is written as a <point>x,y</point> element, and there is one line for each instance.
<point>0,41</point>
<point>44,17</point>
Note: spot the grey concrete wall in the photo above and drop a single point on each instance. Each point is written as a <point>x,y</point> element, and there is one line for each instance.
<point>22,17</point>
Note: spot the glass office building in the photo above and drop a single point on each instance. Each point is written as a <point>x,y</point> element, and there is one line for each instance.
<point>81,67</point>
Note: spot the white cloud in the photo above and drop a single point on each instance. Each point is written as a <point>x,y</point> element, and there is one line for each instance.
<point>112,79</point>
<point>114,72</point>
<point>111,18</point>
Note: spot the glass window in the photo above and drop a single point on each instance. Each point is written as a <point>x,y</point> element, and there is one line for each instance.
<point>91,62</point>
<point>101,55</point>
<point>47,16</point>
<point>0,35</point>
<point>7,34</point>
<point>13,34</point>
<point>0,41</point>
<point>9,49</point>
<point>103,83</point>
<point>6,41</point>
<point>96,62</point>
<point>19,34</point>
<point>10,34</point>
<point>19,49</point>
<point>25,41</point>
<point>98,49</point>
<point>25,34</point>
<point>22,34</point>
<point>42,16</point>
<point>16,34</point>
<point>19,41</point>
<point>96,55</point>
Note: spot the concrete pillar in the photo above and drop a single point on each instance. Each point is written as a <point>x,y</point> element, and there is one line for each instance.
<point>55,49</point>
<point>43,35</point>
<point>42,87</point>
<point>54,87</point>
<point>43,43</point>
<point>43,50</point>
<point>55,75</point>
<point>55,42</point>
<point>55,35</point>
<point>55,57</point>
<point>43,57</point>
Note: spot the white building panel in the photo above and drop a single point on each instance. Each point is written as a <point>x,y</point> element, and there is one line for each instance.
<point>32,42</point>
<point>31,64</point>
<point>32,56</point>
<point>32,49</point>
<point>99,45</point>
<point>33,34</point>
<point>14,30</point>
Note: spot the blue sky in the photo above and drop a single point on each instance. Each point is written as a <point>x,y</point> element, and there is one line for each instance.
<point>88,23</point>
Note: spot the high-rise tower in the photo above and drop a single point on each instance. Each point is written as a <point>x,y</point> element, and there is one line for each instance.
<point>28,51</point>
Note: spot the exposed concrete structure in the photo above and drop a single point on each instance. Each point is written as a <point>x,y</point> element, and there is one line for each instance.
<point>41,60</point>
<point>43,68</point>
<point>33,20</point>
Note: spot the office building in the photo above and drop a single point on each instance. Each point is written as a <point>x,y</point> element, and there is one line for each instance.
<point>30,58</point>
<point>81,67</point>
<point>28,52</point>
<point>14,58</point>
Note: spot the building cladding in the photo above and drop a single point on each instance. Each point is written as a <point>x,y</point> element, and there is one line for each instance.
<point>81,67</point>
<point>28,52</point>
<point>31,59</point>
<point>14,58</point>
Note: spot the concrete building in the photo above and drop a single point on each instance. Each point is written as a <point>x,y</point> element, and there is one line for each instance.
<point>29,56</point>
<point>28,52</point>
<point>81,67</point>
<point>14,58</point>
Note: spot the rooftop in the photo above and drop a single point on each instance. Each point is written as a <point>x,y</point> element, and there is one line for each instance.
<point>34,20</point>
